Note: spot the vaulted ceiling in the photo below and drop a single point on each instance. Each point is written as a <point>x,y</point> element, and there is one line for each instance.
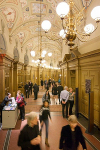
<point>23,19</point>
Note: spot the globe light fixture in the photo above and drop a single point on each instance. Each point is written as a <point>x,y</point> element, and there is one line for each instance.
<point>89,28</point>
<point>62,33</point>
<point>62,9</point>
<point>44,52</point>
<point>32,53</point>
<point>46,25</point>
<point>72,21</point>
<point>95,13</point>
<point>49,54</point>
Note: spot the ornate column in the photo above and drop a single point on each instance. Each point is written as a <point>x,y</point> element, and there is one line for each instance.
<point>62,77</point>
<point>11,79</point>
<point>2,77</point>
<point>15,79</point>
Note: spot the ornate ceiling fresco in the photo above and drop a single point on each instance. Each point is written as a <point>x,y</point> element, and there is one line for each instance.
<point>22,18</point>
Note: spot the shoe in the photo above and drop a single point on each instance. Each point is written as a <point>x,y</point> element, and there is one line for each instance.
<point>46,142</point>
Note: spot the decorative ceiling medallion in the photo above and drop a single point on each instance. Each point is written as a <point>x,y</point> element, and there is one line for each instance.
<point>36,8</point>
<point>86,3</point>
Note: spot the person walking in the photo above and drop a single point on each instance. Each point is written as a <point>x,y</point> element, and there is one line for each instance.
<point>64,100</point>
<point>27,90</point>
<point>46,96</point>
<point>36,90</point>
<point>44,114</point>
<point>42,83</point>
<point>30,87</point>
<point>59,89</point>
<point>71,136</point>
<point>29,138</point>
<point>54,91</point>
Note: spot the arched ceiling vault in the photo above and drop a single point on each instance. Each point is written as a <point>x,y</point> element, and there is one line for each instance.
<point>22,19</point>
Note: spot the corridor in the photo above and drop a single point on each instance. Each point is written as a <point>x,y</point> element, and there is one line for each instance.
<point>8,138</point>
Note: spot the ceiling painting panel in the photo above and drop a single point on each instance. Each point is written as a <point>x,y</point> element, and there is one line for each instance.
<point>35,7</point>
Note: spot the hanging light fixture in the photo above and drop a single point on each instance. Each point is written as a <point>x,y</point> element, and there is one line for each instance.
<point>32,53</point>
<point>49,54</point>
<point>71,23</point>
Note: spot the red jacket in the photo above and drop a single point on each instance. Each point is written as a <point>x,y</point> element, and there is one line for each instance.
<point>20,101</point>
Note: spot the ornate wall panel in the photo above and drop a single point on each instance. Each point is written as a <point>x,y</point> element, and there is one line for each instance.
<point>93,75</point>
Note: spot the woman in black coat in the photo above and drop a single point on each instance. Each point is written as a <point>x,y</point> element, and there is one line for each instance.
<point>71,136</point>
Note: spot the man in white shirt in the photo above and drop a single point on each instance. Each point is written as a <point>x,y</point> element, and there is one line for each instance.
<point>64,100</point>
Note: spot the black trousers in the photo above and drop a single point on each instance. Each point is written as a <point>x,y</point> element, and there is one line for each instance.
<point>1,107</point>
<point>71,103</point>
<point>35,95</point>
<point>27,94</point>
<point>59,97</point>
<point>63,107</point>
<point>22,112</point>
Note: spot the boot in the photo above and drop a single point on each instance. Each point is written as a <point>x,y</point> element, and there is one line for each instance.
<point>46,142</point>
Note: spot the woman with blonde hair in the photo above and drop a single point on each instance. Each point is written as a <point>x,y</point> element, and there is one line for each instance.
<point>29,138</point>
<point>71,100</point>
<point>71,136</point>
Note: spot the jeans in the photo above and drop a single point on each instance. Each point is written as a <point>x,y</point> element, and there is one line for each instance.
<point>46,125</point>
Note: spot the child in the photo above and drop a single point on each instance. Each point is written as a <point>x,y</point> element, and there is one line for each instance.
<point>44,114</point>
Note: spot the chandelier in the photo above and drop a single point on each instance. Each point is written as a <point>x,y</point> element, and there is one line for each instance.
<point>71,23</point>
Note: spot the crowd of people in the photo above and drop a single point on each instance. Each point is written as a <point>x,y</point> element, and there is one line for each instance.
<point>30,136</point>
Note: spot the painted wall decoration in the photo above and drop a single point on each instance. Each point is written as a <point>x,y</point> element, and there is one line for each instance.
<point>21,36</point>
<point>16,54</point>
<point>27,16</point>
<point>10,15</point>
<point>86,3</point>
<point>36,8</point>
<point>23,3</point>
<point>26,59</point>
<point>2,43</point>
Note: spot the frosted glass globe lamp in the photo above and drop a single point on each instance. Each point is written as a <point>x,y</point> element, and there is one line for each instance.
<point>62,9</point>
<point>95,13</point>
<point>46,25</point>
<point>89,28</point>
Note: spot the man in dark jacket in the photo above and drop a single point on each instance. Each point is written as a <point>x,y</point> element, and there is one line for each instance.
<point>59,89</point>
<point>36,90</point>
<point>30,87</point>
<point>27,90</point>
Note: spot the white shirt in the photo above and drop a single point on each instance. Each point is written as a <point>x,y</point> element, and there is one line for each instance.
<point>64,95</point>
